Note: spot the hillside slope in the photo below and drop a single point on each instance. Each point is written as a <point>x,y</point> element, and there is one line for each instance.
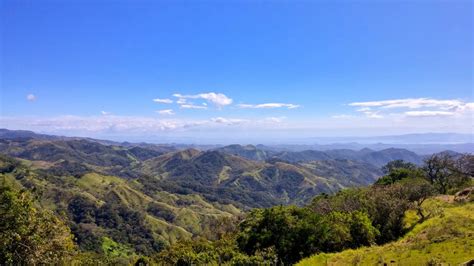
<point>100,207</point>
<point>447,238</point>
<point>232,179</point>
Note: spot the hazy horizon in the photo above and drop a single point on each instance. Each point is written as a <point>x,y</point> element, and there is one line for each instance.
<point>418,139</point>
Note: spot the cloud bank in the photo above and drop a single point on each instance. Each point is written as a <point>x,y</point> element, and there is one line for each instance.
<point>414,107</point>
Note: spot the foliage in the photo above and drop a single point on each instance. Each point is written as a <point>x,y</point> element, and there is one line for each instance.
<point>398,164</point>
<point>28,233</point>
<point>384,205</point>
<point>201,251</point>
<point>113,249</point>
<point>448,173</point>
<point>293,232</point>
<point>397,174</point>
<point>446,239</point>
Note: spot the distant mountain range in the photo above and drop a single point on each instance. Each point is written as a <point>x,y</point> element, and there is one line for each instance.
<point>376,158</point>
<point>422,144</point>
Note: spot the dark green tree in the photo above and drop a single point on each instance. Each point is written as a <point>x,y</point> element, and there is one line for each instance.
<point>293,232</point>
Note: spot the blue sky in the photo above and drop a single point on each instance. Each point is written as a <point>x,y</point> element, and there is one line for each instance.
<point>255,68</point>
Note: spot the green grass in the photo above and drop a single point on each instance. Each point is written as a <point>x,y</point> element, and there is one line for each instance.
<point>114,249</point>
<point>445,239</point>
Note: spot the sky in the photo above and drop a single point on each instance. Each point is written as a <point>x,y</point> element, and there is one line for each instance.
<point>236,70</point>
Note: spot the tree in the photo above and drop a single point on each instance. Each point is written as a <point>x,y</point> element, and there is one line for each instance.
<point>398,174</point>
<point>446,172</point>
<point>386,209</point>
<point>363,233</point>
<point>464,167</point>
<point>417,191</point>
<point>397,170</point>
<point>437,169</point>
<point>293,232</point>
<point>397,164</point>
<point>30,235</point>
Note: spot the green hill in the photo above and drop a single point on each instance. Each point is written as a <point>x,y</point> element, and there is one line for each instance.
<point>101,206</point>
<point>247,183</point>
<point>446,239</point>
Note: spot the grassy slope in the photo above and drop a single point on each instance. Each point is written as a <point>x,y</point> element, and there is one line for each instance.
<point>192,214</point>
<point>447,238</point>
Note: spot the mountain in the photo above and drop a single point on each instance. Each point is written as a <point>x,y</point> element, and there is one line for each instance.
<point>247,183</point>
<point>24,134</point>
<point>376,158</point>
<point>250,152</point>
<point>92,155</point>
<point>302,156</point>
<point>425,148</point>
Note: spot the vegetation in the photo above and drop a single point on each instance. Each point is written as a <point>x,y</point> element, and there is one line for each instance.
<point>30,234</point>
<point>445,239</point>
<point>140,204</point>
<point>394,208</point>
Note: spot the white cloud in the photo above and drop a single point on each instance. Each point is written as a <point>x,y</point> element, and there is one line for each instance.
<point>269,105</point>
<point>364,109</point>
<point>405,108</point>
<point>429,113</point>
<point>412,103</point>
<point>105,113</point>
<point>342,116</point>
<point>166,112</point>
<point>123,125</point>
<point>192,106</point>
<point>373,114</point>
<point>229,121</point>
<point>467,107</point>
<point>369,112</point>
<point>109,123</point>
<point>158,100</point>
<point>31,97</point>
<point>217,99</point>
<point>274,119</point>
